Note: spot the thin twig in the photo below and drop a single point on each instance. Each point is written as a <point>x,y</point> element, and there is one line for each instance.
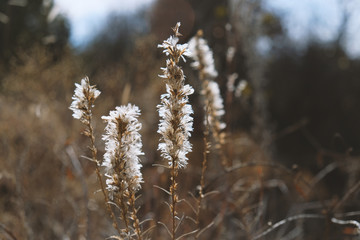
<point>166,191</point>
<point>187,234</point>
<point>347,222</point>
<point>191,219</point>
<point>351,191</point>
<point>8,232</point>
<point>188,203</point>
<point>167,229</point>
<point>287,220</point>
<point>246,165</point>
<point>180,221</point>
<point>147,230</point>
<point>348,214</point>
<point>204,229</point>
<point>160,165</point>
<point>291,129</point>
<point>325,171</point>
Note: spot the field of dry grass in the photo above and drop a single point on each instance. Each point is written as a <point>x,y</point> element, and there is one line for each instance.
<point>232,186</point>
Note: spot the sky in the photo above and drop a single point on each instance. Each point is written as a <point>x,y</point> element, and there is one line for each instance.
<point>86,17</point>
<point>321,18</point>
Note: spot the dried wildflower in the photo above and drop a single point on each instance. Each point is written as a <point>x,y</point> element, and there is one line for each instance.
<point>240,88</point>
<point>214,107</point>
<point>176,123</point>
<point>83,100</point>
<point>230,53</point>
<point>172,48</point>
<point>121,161</point>
<point>202,56</point>
<point>123,148</point>
<point>230,85</point>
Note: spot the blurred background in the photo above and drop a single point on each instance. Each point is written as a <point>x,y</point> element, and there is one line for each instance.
<point>299,109</point>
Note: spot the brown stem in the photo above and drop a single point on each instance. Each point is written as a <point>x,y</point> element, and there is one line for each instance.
<point>6,230</point>
<point>98,174</point>
<point>134,215</point>
<point>215,130</point>
<point>202,179</point>
<point>124,210</point>
<point>351,191</point>
<point>174,198</point>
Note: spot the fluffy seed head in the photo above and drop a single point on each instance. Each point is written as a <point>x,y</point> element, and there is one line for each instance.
<point>215,104</point>
<point>214,107</point>
<point>175,125</point>
<point>172,48</point>
<point>202,55</point>
<point>83,100</point>
<point>122,148</point>
<point>174,111</point>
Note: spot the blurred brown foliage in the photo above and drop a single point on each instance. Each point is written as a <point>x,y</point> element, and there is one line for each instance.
<point>309,163</point>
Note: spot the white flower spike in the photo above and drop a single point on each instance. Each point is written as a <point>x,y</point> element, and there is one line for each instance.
<point>122,148</point>
<point>214,107</point>
<point>83,100</point>
<point>175,123</point>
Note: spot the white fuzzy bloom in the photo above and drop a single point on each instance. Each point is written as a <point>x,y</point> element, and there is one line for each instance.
<point>214,107</point>
<point>243,84</point>
<point>230,85</point>
<point>172,48</point>
<point>83,99</point>
<point>230,53</point>
<point>122,148</point>
<point>175,123</point>
<point>202,55</point>
<point>215,103</point>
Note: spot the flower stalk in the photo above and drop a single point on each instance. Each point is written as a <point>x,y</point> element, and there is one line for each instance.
<point>214,107</point>
<point>83,101</point>
<point>122,163</point>
<point>175,123</point>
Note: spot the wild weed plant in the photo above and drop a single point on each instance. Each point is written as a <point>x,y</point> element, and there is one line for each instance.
<point>192,216</point>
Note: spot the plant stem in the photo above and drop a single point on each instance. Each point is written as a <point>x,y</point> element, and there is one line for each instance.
<point>134,215</point>
<point>124,211</point>
<point>174,198</point>
<point>202,178</point>
<point>98,174</point>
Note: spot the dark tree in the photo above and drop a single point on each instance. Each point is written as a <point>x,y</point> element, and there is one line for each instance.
<point>24,24</point>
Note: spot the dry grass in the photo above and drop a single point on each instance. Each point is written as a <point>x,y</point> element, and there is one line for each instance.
<point>48,191</point>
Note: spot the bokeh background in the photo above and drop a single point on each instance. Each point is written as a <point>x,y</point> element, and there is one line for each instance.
<point>296,123</point>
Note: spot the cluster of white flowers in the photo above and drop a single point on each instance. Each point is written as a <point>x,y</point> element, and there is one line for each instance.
<point>230,53</point>
<point>175,126</point>
<point>175,123</point>
<point>240,88</point>
<point>204,63</point>
<point>230,85</point>
<point>83,99</point>
<point>172,48</point>
<point>243,84</point>
<point>123,148</point>
<point>202,55</point>
<point>215,104</point>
